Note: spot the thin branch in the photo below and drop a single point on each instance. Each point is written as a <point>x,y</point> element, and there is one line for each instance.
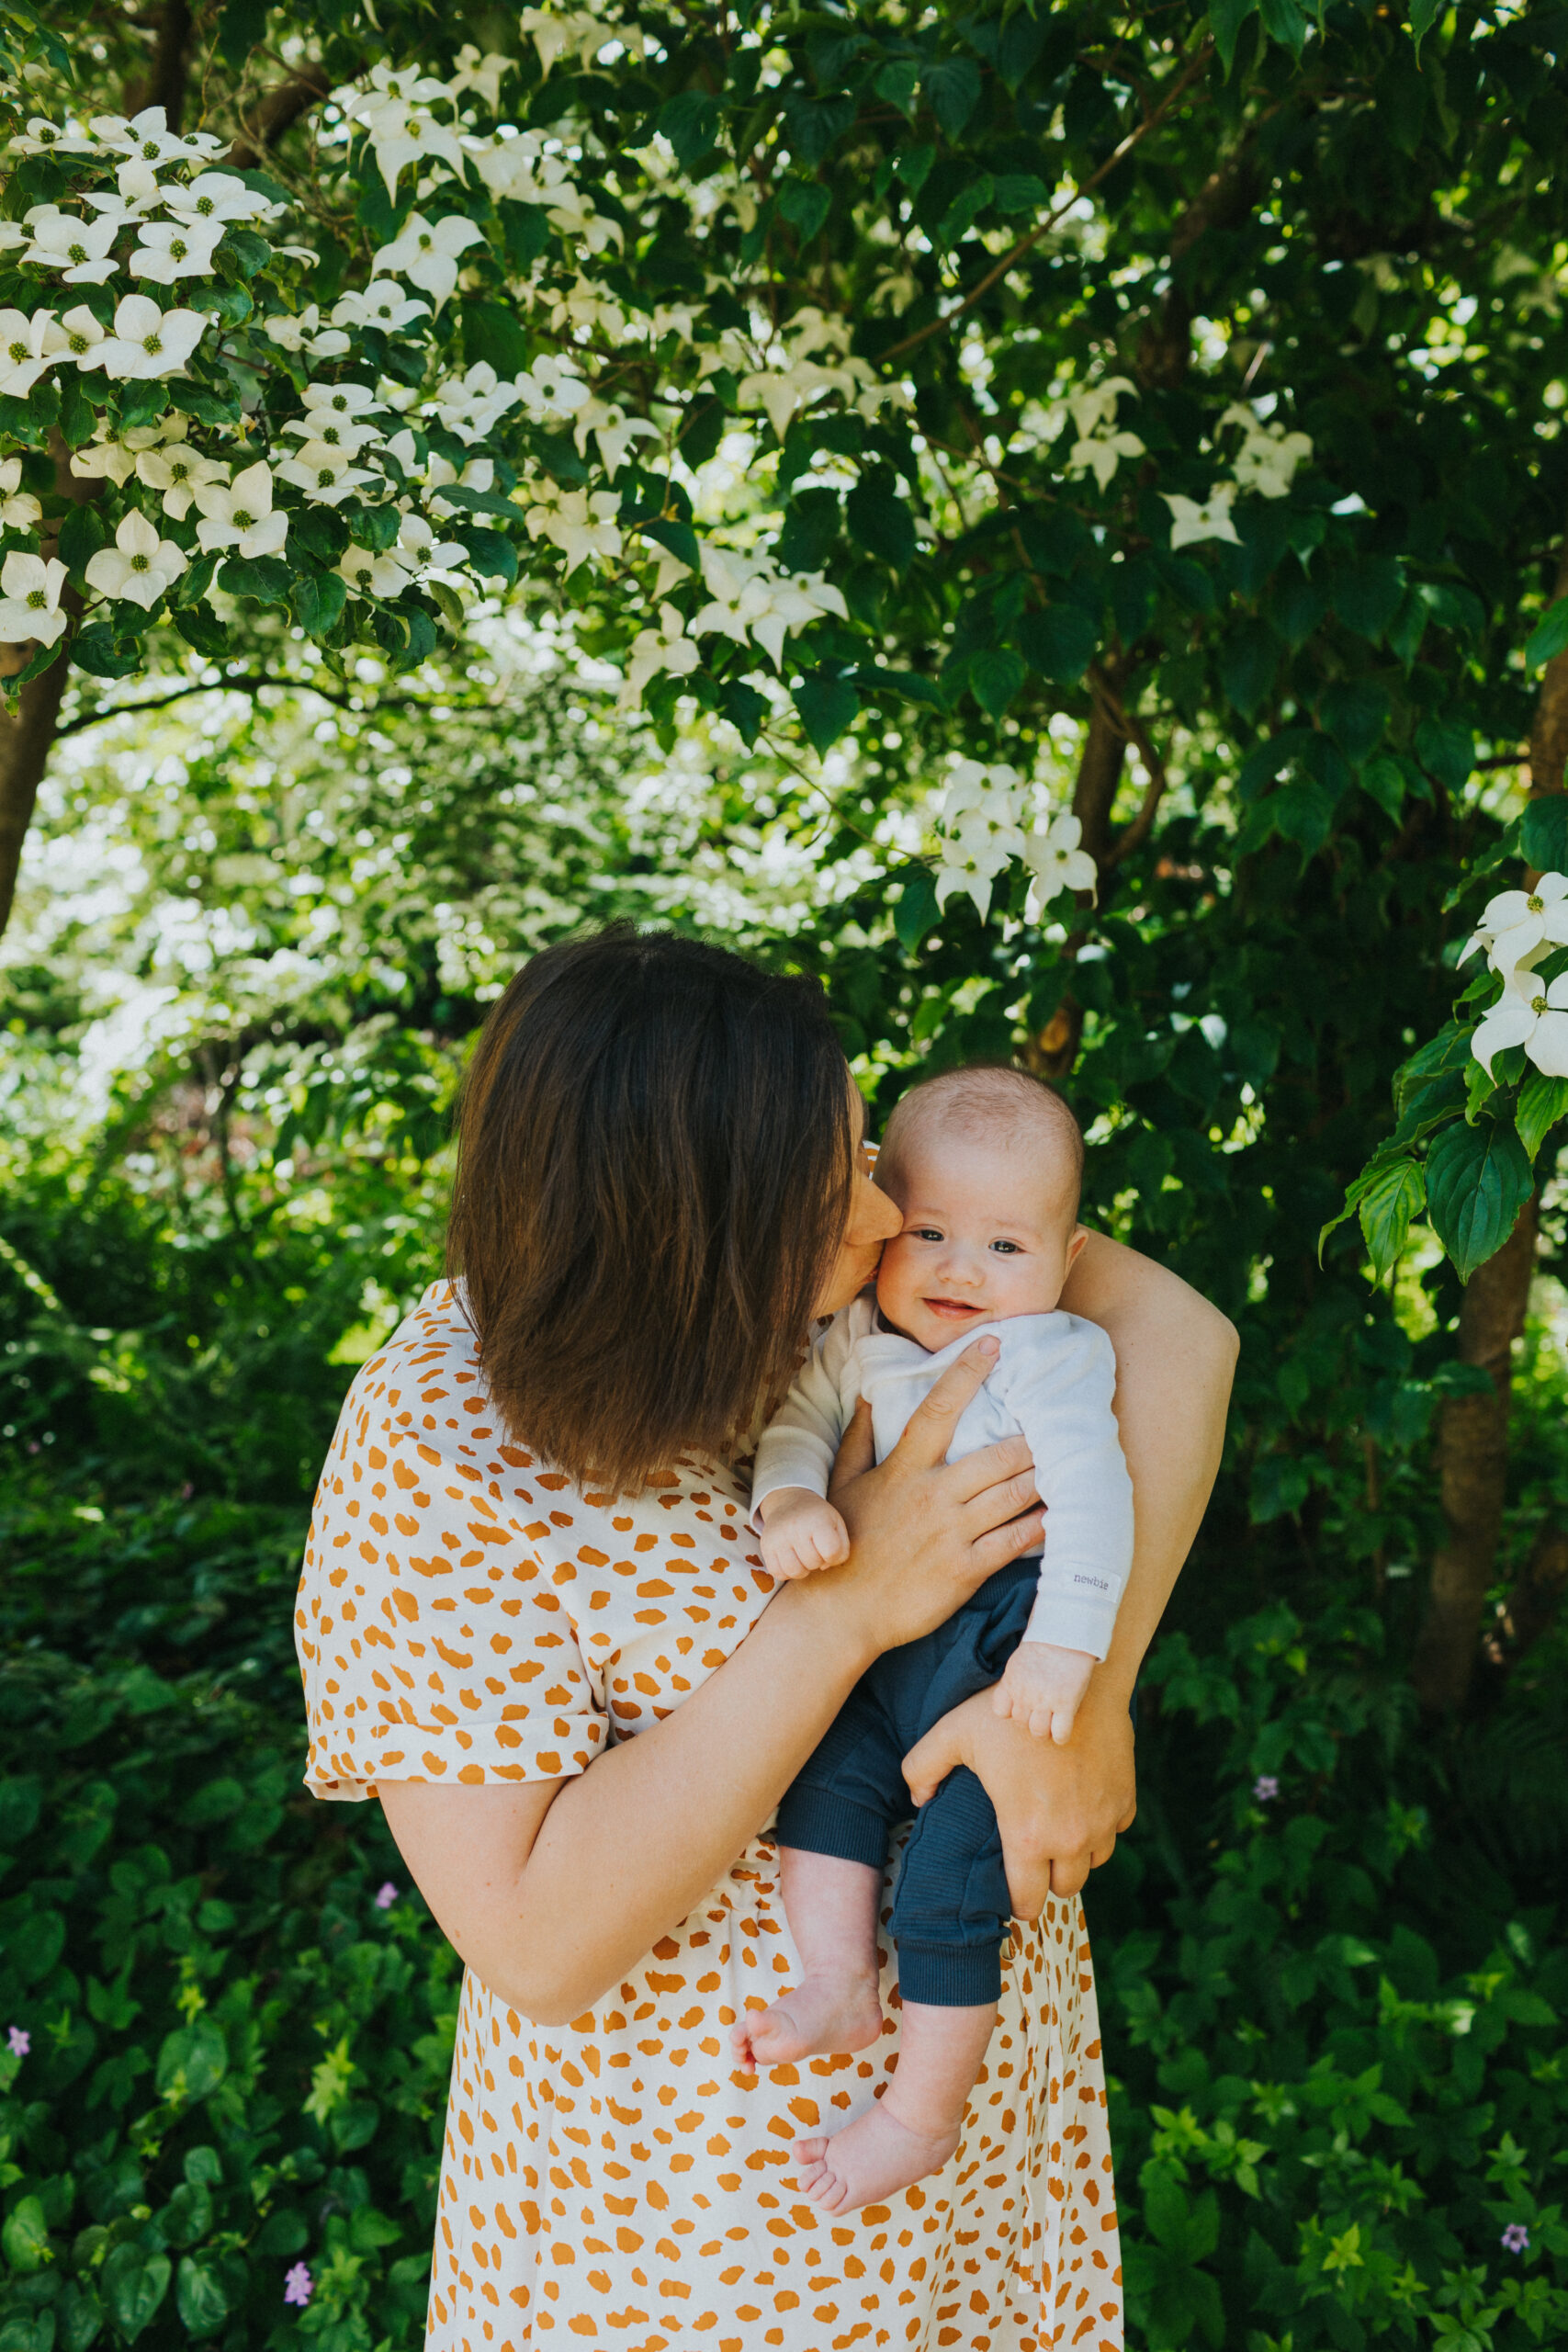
<point>1135,835</point>
<point>1123,149</point>
<point>235,685</point>
<point>281,108</point>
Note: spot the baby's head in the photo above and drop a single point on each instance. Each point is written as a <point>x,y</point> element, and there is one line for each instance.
<point>986,1165</point>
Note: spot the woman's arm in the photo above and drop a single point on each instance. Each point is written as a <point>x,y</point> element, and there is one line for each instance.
<point>1060,1808</point>
<point>552,1891</point>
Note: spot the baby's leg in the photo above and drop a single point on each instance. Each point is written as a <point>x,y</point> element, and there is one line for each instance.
<point>832,1908</point>
<point>913,2129</point>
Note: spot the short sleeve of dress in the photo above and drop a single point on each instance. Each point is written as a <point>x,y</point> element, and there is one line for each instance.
<point>431,1639</point>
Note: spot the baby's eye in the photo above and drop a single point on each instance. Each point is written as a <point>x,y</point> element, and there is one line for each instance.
<point>924,1233</point>
<point>1008,1249</point>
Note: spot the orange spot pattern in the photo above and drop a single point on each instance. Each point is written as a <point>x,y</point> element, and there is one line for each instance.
<point>464,1614</point>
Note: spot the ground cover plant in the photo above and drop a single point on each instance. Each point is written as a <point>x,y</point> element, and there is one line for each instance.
<point>1051,519</point>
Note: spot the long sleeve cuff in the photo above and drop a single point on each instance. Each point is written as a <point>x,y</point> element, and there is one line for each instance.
<point>1073,1622</point>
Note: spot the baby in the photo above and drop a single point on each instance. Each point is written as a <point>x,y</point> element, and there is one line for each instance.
<point>986,1165</point>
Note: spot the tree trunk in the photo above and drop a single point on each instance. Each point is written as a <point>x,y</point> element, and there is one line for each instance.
<point>1099,774</point>
<point>27,732</point>
<point>1473,1451</point>
<point>1472,1434</point>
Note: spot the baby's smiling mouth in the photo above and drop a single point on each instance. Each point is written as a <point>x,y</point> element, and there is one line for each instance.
<point>956,1307</point>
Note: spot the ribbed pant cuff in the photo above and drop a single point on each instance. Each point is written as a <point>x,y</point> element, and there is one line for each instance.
<point>950,1976</point>
<point>819,1822</point>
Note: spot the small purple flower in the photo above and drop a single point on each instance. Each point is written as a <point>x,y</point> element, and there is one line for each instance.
<point>21,2042</point>
<point>385,1895</point>
<point>298,2286</point>
<point>1516,2238</point>
<point>1266,1788</point>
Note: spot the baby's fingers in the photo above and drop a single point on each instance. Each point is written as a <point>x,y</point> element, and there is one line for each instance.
<point>1002,1700</point>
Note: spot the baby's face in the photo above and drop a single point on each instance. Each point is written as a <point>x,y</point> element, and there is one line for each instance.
<point>986,1236</point>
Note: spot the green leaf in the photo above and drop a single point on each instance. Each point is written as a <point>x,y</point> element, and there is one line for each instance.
<point>318,598</point>
<point>1447,748</point>
<point>1058,642</point>
<point>1543,833</point>
<point>450,603</point>
<point>20,1800</point>
<point>1550,637</point>
<point>25,2239</point>
<point>1424,14</point>
<point>491,553</point>
<point>881,521</point>
<point>95,650</point>
<point>77,415</point>
<point>827,705</point>
<point>804,204</point>
<point>1248,660</point>
<point>82,531</point>
<point>913,165</point>
<point>916,911</point>
<point>200,2297</point>
<point>1396,1193</point>
<point>745,708</point>
<point>1021,192</point>
<point>134,2284</point>
<point>995,676</point>
<point>1284,22</point>
<point>192,2061</point>
<point>965,210</point>
<point>897,82</point>
<point>202,402</point>
<point>1303,812</point>
<point>690,120</point>
<point>1382,780</point>
<point>1478,1179</point>
<point>202,629</point>
<point>678,536</point>
<point>1542,1102</point>
<point>493,332</point>
<point>953,89</point>
<point>241,26</point>
<point>143,403</point>
<point>265,577</point>
<point>1226,18</point>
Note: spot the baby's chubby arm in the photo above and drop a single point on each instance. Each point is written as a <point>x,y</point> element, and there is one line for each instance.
<point>1063,1395</point>
<point>801,1531</point>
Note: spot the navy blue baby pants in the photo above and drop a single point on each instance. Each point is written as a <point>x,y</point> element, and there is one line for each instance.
<point>951,1909</point>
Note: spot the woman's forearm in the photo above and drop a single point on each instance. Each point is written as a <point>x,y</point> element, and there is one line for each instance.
<point>630,1847</point>
<point>552,1891</point>
<point>1175,1359</point>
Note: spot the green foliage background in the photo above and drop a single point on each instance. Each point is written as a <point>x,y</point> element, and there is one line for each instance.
<point>260,929</point>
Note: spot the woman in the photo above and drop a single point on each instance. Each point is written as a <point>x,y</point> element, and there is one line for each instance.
<point>533,1621</point>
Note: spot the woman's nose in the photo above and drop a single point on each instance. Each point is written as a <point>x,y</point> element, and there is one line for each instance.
<point>873,1216</point>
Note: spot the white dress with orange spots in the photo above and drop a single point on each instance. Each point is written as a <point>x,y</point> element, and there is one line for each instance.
<point>465,1615</point>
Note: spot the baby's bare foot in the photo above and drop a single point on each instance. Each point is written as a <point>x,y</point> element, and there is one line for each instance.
<point>823,2013</point>
<point>872,2159</point>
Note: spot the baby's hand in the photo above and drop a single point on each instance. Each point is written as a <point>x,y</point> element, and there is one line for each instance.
<point>1043,1686</point>
<point>802,1532</point>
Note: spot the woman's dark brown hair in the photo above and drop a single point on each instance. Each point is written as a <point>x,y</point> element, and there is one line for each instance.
<point>653,1178</point>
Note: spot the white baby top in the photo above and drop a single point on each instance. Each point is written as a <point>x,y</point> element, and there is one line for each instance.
<point>1053,1382</point>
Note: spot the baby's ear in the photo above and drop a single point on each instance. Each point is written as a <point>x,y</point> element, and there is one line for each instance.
<point>1079,1236</point>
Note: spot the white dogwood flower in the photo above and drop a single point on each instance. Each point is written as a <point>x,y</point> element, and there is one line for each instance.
<point>1100,454</point>
<point>579,522</point>
<point>551,389</point>
<point>1516,924</point>
<point>80,334</point>
<point>369,573</point>
<point>381,304</point>
<point>136,190</point>
<point>427,253</point>
<point>241,515</point>
<point>655,653</point>
<point>139,567</point>
<point>973,785</point>
<point>337,432</point>
<point>1190,522</point>
<point>78,248</point>
<point>147,342</point>
<point>484,74</point>
<point>29,599</point>
<point>148,137</point>
<point>1529,1015</point>
<point>176,473</point>
<point>614,431</point>
<point>24,355</point>
<point>1266,461</point>
<point>42,137</point>
<point>217,197</point>
<point>19,510</point>
<point>1052,854</point>
<point>171,249</point>
<point>326,475</point>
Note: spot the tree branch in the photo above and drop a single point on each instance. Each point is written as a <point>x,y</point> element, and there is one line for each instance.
<point>277,112</point>
<point>247,685</point>
<point>1118,154</point>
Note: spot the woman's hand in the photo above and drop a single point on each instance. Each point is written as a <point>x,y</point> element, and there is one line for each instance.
<point>1059,1809</point>
<point>926,1533</point>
